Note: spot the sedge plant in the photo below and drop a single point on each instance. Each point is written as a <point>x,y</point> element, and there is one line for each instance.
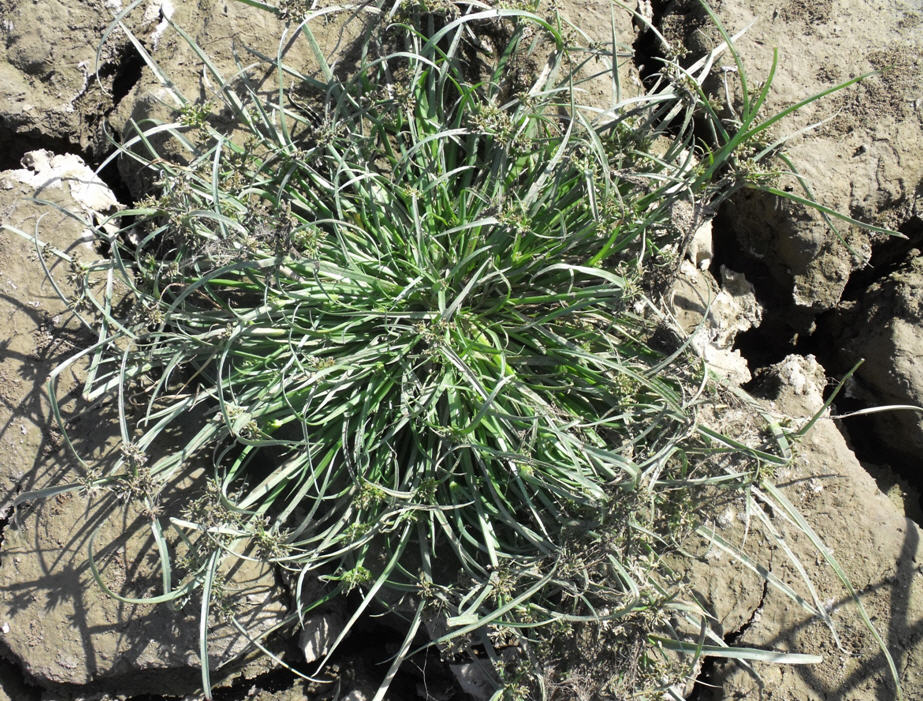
<point>416,306</point>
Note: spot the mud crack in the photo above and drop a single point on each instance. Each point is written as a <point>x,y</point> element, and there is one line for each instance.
<point>648,49</point>
<point>734,637</point>
<point>705,688</point>
<point>888,254</point>
<point>125,72</point>
<point>6,511</point>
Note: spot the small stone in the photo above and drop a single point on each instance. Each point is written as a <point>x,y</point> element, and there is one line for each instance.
<point>476,678</point>
<point>319,634</point>
<point>701,250</point>
<point>356,695</point>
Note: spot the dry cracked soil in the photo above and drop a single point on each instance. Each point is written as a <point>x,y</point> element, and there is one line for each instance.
<point>793,309</point>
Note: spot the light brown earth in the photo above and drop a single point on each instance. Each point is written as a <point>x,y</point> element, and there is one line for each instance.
<point>60,633</point>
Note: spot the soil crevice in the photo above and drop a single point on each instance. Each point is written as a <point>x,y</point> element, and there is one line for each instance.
<point>703,687</point>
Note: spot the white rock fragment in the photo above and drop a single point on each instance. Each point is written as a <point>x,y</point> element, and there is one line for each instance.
<point>735,309</point>
<point>356,695</point>
<point>159,11</point>
<point>701,248</point>
<point>476,679</point>
<point>805,377</point>
<point>318,635</point>
<point>714,315</point>
<point>42,169</point>
<point>726,518</point>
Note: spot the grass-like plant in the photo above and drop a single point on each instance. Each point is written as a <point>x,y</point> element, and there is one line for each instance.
<point>418,306</point>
